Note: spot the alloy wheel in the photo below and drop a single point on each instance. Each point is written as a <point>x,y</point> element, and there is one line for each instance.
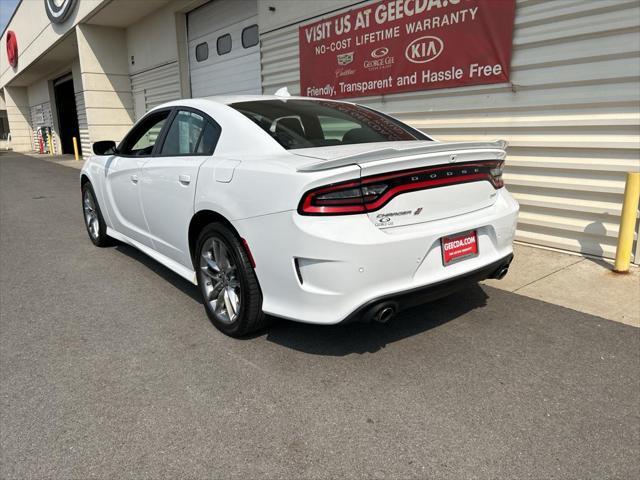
<point>221,285</point>
<point>91,215</point>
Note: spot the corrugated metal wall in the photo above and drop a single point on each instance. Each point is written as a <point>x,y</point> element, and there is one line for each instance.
<point>83,126</point>
<point>41,117</point>
<point>152,87</point>
<point>571,115</point>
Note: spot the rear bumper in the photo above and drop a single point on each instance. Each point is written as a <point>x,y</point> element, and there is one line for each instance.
<point>322,269</point>
<point>419,296</point>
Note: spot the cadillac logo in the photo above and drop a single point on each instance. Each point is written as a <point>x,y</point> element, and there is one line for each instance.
<point>345,58</point>
<point>59,10</point>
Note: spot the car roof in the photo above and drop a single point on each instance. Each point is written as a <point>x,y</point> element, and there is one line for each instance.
<point>229,99</point>
<point>226,100</point>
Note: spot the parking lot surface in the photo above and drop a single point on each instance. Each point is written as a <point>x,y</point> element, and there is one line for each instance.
<point>110,368</point>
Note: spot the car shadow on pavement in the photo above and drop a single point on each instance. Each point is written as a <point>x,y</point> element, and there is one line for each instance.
<point>341,340</point>
<point>338,340</point>
<point>169,276</point>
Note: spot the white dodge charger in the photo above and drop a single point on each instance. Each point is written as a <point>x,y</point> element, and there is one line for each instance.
<point>306,209</point>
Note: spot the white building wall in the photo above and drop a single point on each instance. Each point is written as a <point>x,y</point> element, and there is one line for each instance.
<point>36,34</point>
<point>19,115</point>
<point>571,113</point>
<point>154,69</point>
<point>106,88</point>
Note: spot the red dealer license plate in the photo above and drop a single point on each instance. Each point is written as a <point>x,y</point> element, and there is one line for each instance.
<point>459,247</point>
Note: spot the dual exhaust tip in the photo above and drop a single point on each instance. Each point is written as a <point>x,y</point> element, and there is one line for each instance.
<point>381,313</point>
<point>386,311</point>
<point>501,273</point>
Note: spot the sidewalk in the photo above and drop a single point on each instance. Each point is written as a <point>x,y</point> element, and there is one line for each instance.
<point>584,284</point>
<point>65,160</point>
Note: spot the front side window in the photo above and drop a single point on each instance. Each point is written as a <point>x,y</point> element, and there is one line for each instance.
<point>189,134</point>
<point>142,138</point>
<point>319,123</point>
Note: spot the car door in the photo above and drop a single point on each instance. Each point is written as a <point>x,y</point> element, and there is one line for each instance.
<point>122,177</point>
<point>168,180</point>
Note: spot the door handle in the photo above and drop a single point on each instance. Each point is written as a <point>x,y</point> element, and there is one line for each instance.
<point>184,179</point>
<point>134,178</point>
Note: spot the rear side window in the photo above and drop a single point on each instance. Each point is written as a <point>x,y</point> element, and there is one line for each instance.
<point>250,36</point>
<point>209,139</point>
<point>319,123</point>
<point>223,44</point>
<point>190,134</point>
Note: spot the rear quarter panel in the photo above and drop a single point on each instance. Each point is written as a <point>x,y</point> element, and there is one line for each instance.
<point>259,185</point>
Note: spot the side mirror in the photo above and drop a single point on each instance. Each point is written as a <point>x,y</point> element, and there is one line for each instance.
<point>104,147</point>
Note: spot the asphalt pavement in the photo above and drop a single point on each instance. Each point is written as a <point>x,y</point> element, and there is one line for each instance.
<point>111,369</point>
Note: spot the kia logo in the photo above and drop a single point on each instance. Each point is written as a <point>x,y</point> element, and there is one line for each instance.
<point>424,49</point>
<point>379,52</point>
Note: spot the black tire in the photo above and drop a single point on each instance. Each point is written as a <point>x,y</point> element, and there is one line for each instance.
<point>99,237</point>
<point>250,317</point>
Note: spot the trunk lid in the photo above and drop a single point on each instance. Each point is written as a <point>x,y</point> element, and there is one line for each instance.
<point>437,180</point>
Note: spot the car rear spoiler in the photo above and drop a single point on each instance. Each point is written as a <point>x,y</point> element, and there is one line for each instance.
<point>385,153</point>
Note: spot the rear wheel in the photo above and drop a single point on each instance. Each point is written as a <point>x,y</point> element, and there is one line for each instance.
<point>93,220</point>
<point>229,287</point>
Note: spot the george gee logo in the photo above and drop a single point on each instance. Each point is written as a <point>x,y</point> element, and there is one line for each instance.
<point>379,52</point>
<point>345,58</point>
<point>380,59</point>
<point>424,49</point>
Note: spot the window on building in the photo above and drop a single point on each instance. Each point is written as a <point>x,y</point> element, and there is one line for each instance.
<point>142,138</point>
<point>250,36</point>
<point>202,52</point>
<point>223,44</point>
<point>189,134</point>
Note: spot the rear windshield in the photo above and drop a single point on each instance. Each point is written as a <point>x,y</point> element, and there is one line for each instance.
<point>318,123</point>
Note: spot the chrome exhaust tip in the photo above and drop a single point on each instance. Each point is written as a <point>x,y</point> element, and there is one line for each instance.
<point>385,314</point>
<point>501,273</point>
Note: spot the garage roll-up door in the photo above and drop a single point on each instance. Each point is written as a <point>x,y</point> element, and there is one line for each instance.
<point>224,52</point>
<point>155,86</point>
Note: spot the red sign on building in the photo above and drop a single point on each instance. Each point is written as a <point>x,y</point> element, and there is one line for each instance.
<point>406,45</point>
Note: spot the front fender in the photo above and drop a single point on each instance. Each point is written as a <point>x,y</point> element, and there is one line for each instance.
<point>95,169</point>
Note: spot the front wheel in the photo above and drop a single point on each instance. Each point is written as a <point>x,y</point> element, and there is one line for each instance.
<point>228,283</point>
<point>93,220</point>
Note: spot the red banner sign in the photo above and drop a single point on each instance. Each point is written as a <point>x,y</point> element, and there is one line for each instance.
<point>396,46</point>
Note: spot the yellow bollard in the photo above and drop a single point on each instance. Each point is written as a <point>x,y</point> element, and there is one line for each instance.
<point>75,148</point>
<point>627,223</point>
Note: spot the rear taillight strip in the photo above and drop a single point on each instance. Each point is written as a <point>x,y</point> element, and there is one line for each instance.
<point>395,184</point>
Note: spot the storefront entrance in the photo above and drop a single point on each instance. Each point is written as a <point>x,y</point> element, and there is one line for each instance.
<point>67,114</point>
